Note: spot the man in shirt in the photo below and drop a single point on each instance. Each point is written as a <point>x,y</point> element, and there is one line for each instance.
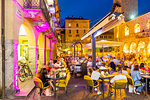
<point>95,76</point>
<point>117,77</point>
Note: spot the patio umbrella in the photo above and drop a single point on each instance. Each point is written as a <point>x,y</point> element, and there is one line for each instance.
<point>104,43</point>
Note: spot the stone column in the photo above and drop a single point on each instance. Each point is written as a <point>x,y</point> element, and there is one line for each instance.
<point>41,57</point>
<point>44,49</point>
<point>11,66</point>
<point>32,58</point>
<point>93,50</point>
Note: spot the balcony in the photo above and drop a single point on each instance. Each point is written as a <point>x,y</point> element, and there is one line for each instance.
<point>142,34</point>
<point>36,10</point>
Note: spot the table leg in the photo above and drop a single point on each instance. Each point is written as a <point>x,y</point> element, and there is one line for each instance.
<point>103,87</point>
<point>146,86</point>
<point>55,89</point>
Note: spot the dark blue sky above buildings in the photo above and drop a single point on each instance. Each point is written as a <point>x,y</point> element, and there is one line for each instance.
<point>93,9</point>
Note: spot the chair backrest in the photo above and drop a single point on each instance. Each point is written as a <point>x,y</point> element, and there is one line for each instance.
<point>88,80</point>
<point>130,80</point>
<point>115,73</point>
<point>67,78</point>
<point>120,84</point>
<point>38,83</point>
<point>90,70</point>
<point>89,73</point>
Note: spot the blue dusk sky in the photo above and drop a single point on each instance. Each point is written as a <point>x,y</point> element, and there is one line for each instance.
<point>93,9</point>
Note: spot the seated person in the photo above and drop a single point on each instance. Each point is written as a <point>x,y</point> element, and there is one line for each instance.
<point>135,74</point>
<point>90,71</point>
<point>117,77</point>
<point>48,67</point>
<point>43,77</point>
<point>142,66</point>
<point>95,76</point>
<point>124,71</point>
<point>56,64</point>
<point>113,66</point>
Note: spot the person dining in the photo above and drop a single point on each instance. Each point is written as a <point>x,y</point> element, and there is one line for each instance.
<point>135,74</point>
<point>95,76</point>
<point>43,76</point>
<point>142,66</point>
<point>117,77</point>
<point>113,66</point>
<point>124,71</point>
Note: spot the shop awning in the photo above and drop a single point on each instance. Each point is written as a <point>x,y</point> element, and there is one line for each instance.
<point>109,22</point>
<point>104,43</point>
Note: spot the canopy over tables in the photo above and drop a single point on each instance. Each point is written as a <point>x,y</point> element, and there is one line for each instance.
<point>105,43</point>
<point>110,21</point>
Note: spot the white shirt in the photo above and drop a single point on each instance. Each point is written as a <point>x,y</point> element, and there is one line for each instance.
<point>117,77</point>
<point>95,75</point>
<point>124,72</point>
<point>116,61</point>
<point>89,64</point>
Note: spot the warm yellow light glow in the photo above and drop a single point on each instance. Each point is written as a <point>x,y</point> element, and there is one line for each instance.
<point>133,47</point>
<point>137,28</point>
<point>132,17</point>
<point>50,2</point>
<point>149,50</point>
<point>22,30</point>
<point>125,49</point>
<point>141,46</point>
<point>117,31</point>
<point>148,24</point>
<point>126,30</point>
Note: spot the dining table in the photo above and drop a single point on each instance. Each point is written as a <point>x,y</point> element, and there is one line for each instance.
<point>103,78</point>
<point>55,78</point>
<point>146,76</point>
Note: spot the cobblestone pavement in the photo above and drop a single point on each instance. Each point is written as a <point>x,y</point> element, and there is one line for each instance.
<point>77,91</point>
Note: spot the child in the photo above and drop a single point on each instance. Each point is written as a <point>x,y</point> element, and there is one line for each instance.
<point>95,76</point>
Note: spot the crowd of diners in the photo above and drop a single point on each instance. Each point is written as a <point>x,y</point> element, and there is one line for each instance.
<point>119,67</point>
<point>50,70</point>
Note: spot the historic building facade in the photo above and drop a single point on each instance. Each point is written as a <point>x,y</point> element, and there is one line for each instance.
<point>135,34</point>
<point>75,28</point>
<point>129,8</point>
<point>29,34</point>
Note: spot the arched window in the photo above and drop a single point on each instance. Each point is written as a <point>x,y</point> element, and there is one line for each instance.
<point>137,28</point>
<point>126,30</point>
<point>117,32</point>
<point>148,24</point>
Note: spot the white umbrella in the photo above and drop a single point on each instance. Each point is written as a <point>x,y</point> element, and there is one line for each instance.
<point>104,43</point>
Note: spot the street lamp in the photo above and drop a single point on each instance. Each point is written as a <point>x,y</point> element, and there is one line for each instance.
<point>132,17</point>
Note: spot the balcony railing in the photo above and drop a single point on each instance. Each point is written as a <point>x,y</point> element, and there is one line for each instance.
<point>37,4</point>
<point>142,34</point>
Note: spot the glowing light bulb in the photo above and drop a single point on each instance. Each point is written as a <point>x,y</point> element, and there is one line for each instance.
<point>132,17</point>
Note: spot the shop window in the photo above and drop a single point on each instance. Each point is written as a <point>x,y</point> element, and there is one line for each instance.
<point>77,31</point>
<point>70,35</point>
<point>109,37</point>
<point>69,24</point>
<point>77,35</point>
<point>126,30</point>
<point>117,32</point>
<point>69,31</point>
<point>77,25</point>
<point>101,37</point>
<point>137,28</point>
<point>105,37</point>
<point>148,24</point>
